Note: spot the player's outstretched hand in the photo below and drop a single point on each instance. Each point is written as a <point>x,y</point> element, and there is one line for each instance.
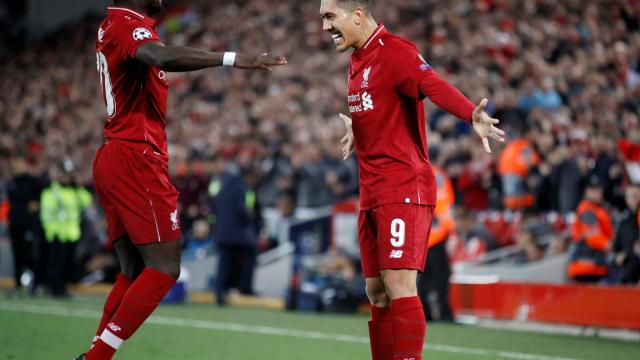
<point>261,62</point>
<point>347,140</point>
<point>485,126</point>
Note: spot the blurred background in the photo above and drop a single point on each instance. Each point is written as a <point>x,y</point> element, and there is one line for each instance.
<point>542,231</point>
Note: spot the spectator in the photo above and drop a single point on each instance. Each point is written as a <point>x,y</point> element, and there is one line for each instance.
<point>24,226</point>
<point>433,283</point>
<point>591,235</point>
<point>516,161</point>
<point>61,206</point>
<point>529,242</point>
<point>625,257</point>
<point>236,230</point>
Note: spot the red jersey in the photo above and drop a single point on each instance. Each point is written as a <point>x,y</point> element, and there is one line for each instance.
<point>135,94</point>
<point>388,79</point>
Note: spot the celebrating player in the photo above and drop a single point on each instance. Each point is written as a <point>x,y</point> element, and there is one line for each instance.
<point>130,170</point>
<point>388,79</point>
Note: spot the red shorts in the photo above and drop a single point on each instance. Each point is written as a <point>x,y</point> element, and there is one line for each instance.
<point>394,236</point>
<point>136,193</point>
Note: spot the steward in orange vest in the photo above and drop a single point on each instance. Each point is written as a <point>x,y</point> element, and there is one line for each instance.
<point>514,166</point>
<point>433,284</point>
<point>591,234</point>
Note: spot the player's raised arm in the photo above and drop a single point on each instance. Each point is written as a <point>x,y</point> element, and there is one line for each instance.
<point>450,99</point>
<point>181,58</point>
<point>415,78</point>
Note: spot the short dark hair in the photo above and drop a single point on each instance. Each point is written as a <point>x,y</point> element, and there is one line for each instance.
<point>352,4</point>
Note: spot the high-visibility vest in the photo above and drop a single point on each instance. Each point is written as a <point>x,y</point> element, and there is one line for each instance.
<point>443,223</point>
<point>513,166</point>
<point>60,211</point>
<point>591,233</point>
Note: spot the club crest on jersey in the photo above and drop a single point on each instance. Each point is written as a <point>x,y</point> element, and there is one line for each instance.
<point>365,77</point>
<point>174,220</point>
<point>141,34</point>
<point>424,66</point>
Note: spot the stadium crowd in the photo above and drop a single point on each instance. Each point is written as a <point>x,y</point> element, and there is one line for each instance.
<point>563,76</point>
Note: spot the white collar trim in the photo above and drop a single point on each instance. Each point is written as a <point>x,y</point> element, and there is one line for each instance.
<point>373,37</point>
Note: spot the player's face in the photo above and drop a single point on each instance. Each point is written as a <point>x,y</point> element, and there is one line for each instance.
<point>341,23</point>
<point>632,196</point>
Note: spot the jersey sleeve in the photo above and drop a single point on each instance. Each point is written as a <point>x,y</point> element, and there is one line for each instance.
<point>133,35</point>
<point>414,77</point>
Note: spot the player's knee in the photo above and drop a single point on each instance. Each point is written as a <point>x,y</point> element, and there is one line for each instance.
<point>378,296</point>
<point>170,269</point>
<point>129,272</point>
<point>131,267</point>
<point>174,271</point>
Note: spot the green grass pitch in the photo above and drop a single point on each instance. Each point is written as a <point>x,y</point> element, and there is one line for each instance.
<point>48,329</point>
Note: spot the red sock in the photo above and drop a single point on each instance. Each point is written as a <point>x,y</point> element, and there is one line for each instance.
<point>113,301</point>
<point>409,328</point>
<point>138,303</point>
<point>380,334</point>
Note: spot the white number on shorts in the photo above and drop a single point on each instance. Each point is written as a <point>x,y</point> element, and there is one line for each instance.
<point>397,232</point>
<point>107,87</point>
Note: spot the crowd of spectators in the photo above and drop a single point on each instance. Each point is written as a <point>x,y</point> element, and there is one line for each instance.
<point>564,76</point>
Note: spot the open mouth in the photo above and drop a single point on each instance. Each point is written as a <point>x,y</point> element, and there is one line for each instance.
<point>337,38</point>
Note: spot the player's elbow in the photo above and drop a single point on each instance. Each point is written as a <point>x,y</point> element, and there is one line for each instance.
<point>154,55</point>
<point>160,60</point>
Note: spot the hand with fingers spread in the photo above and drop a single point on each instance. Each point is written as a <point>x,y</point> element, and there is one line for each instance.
<point>347,141</point>
<point>262,61</point>
<point>485,126</point>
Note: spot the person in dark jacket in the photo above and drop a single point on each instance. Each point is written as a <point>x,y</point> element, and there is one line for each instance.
<point>24,227</point>
<point>627,236</point>
<point>237,227</point>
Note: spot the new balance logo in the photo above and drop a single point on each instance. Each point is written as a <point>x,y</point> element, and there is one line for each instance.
<point>367,101</point>
<point>114,327</point>
<point>395,254</point>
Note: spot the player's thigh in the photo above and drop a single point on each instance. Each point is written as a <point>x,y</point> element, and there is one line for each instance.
<point>104,182</point>
<point>143,196</point>
<point>131,262</point>
<point>400,282</point>
<point>367,241</point>
<point>403,235</point>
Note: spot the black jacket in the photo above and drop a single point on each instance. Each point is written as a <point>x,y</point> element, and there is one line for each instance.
<point>237,216</point>
<point>627,234</point>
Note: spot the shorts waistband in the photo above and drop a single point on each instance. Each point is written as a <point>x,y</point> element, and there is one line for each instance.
<point>141,147</point>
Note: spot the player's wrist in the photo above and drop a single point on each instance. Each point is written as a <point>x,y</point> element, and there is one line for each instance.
<point>229,58</point>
